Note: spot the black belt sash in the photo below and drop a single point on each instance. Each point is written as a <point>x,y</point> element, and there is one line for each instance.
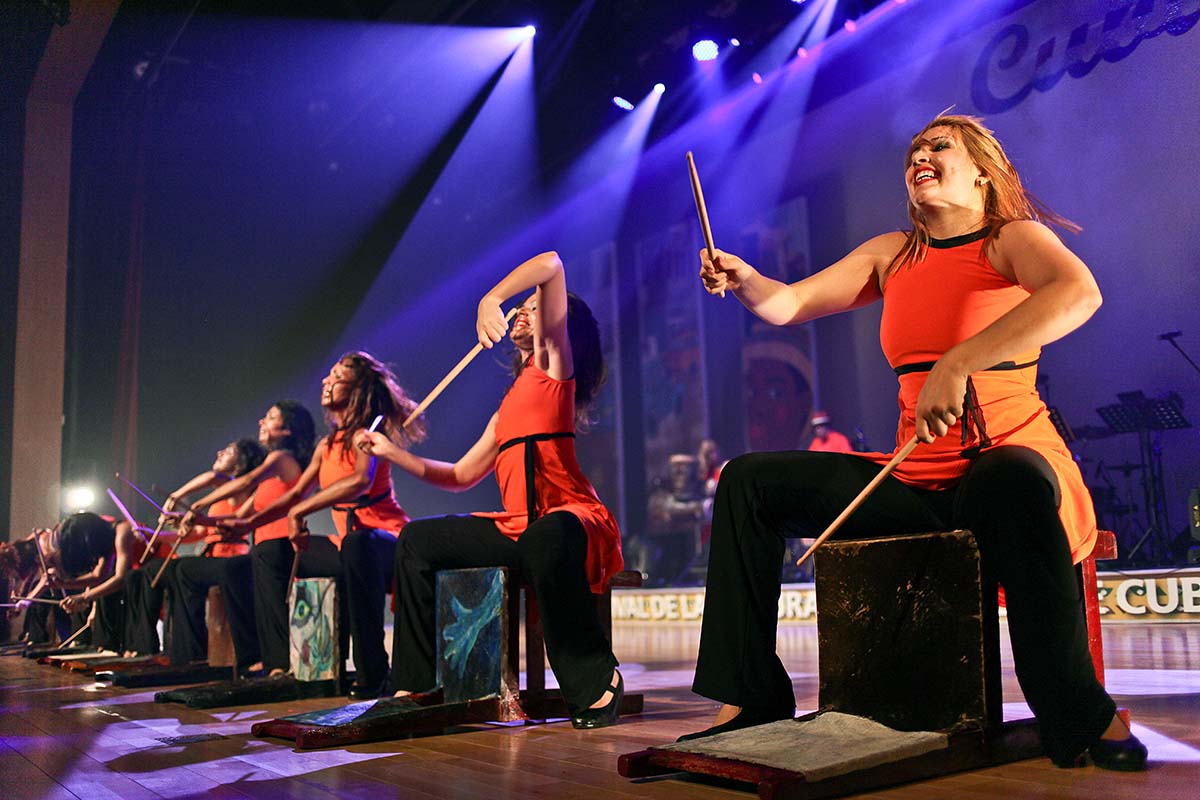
<point>362,502</point>
<point>972,413</point>
<point>531,465</point>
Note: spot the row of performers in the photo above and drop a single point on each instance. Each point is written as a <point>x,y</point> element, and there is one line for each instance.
<point>970,294</point>
<point>557,533</point>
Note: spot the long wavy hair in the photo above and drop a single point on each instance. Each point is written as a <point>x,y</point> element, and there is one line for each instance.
<point>18,559</point>
<point>587,357</point>
<point>303,431</point>
<point>1005,197</point>
<point>374,391</point>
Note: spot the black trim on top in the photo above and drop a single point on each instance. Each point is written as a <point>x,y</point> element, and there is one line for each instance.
<point>926,366</point>
<point>957,241</point>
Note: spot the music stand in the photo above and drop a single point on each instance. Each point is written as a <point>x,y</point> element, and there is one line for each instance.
<point>1136,413</point>
<point>1060,424</point>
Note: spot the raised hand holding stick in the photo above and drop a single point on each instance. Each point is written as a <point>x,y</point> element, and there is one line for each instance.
<point>701,208</point>
<point>441,387</point>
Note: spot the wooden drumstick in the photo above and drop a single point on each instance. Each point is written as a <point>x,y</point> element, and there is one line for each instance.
<point>459,367</point>
<point>37,540</point>
<point>154,487</point>
<point>66,642</point>
<point>158,528</point>
<point>862,496</point>
<point>45,600</point>
<point>701,209</point>
<point>125,513</point>
<point>171,554</point>
<point>292,577</point>
<point>144,496</point>
<point>153,538</point>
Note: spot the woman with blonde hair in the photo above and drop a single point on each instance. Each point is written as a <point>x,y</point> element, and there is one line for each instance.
<point>970,295</point>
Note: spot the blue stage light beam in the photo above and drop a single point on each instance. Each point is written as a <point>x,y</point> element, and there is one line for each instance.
<point>486,187</point>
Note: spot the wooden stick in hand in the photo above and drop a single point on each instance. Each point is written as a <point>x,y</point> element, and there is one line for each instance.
<point>862,496</point>
<point>459,367</point>
<point>701,208</point>
<point>67,642</point>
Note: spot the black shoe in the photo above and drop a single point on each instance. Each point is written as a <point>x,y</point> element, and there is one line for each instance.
<point>370,691</point>
<point>746,718</point>
<point>1124,755</point>
<point>606,714</point>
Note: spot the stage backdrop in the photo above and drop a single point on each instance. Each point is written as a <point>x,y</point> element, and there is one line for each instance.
<point>269,242</point>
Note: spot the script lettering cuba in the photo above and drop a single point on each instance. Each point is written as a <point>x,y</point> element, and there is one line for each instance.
<point>1009,68</point>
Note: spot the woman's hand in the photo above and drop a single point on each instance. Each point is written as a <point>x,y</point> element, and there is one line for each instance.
<point>377,444</point>
<point>298,533</point>
<point>490,324</point>
<point>724,272</point>
<point>75,602</point>
<point>940,402</point>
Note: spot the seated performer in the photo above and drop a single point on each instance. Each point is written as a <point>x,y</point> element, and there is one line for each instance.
<point>190,576</point>
<point>352,482</point>
<point>20,567</point>
<point>287,432</point>
<point>91,553</point>
<point>970,295</point>
<point>553,529</point>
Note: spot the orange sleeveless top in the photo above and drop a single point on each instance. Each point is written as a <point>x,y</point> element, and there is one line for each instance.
<point>265,494</point>
<point>932,305</point>
<point>215,545</point>
<point>377,508</point>
<point>536,405</point>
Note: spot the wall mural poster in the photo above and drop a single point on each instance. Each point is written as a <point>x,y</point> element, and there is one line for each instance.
<point>779,363</point>
<point>600,448</point>
<point>674,391</point>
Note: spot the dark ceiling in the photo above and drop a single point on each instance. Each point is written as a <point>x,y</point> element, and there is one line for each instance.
<point>585,52</point>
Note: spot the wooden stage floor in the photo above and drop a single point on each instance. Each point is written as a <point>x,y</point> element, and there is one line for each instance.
<point>63,736</point>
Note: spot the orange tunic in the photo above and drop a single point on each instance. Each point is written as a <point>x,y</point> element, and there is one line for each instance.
<point>539,404</point>
<point>224,548</point>
<point>384,513</point>
<point>930,306</point>
<point>265,494</point>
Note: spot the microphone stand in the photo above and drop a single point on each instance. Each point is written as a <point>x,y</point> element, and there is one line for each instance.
<point>1170,339</point>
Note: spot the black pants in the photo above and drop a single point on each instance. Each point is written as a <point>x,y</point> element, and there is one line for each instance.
<point>44,621</point>
<point>550,554</point>
<point>143,605</point>
<point>191,579</point>
<point>1009,499</point>
<point>108,627</point>
<point>368,560</point>
<point>272,562</point>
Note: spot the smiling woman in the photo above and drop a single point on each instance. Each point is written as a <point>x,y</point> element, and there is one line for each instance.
<point>970,294</point>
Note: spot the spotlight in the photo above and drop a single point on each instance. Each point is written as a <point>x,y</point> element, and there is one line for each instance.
<point>705,50</point>
<point>659,88</point>
<point>529,31</point>
<point>735,42</point>
<point>623,104</point>
<point>851,26</point>
<point>756,78</point>
<point>78,498</point>
<point>801,52</point>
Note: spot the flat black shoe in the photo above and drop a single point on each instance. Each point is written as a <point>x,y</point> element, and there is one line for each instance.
<point>746,718</point>
<point>1124,755</point>
<point>606,714</point>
